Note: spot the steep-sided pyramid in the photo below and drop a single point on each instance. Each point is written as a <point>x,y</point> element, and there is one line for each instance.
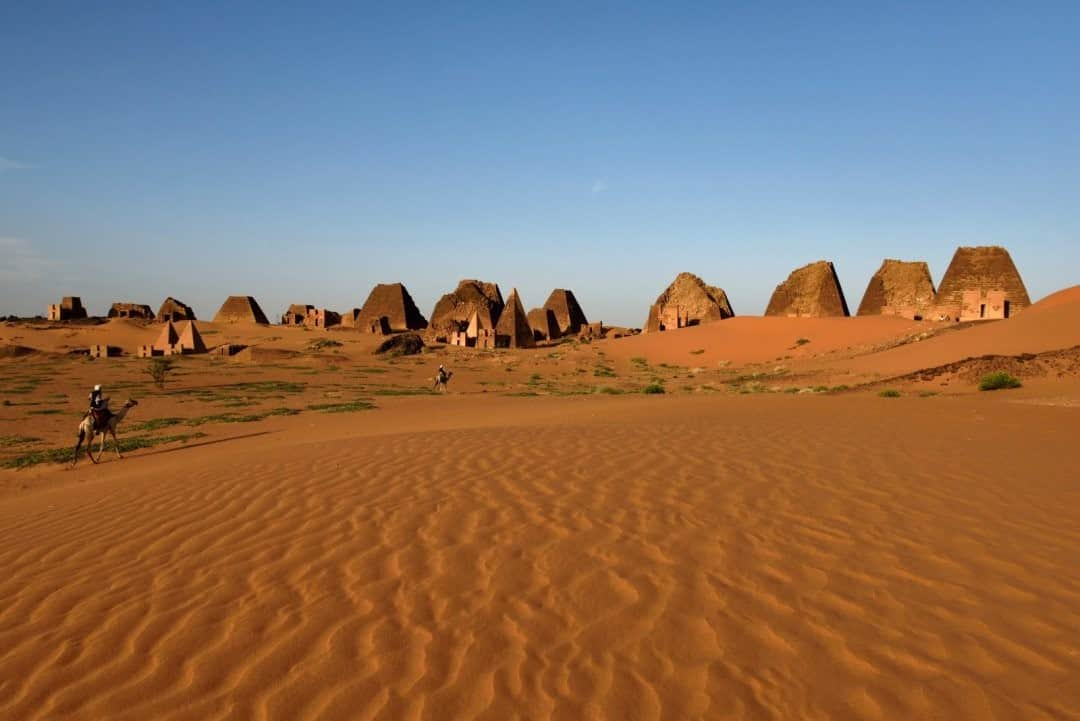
<point>902,288</point>
<point>174,310</point>
<point>454,309</point>
<point>392,301</point>
<point>688,301</point>
<point>240,309</point>
<point>544,324</point>
<point>812,291</point>
<point>568,313</point>
<point>513,329</point>
<point>190,339</point>
<point>979,271</point>
<point>167,338</point>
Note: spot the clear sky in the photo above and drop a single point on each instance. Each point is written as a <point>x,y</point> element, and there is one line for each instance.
<point>304,153</point>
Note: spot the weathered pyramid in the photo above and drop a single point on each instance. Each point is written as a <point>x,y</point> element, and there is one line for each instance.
<point>167,338</point>
<point>131,310</point>
<point>812,291</point>
<point>174,310</point>
<point>902,288</point>
<point>454,309</point>
<point>568,313</point>
<point>513,329</point>
<point>688,301</point>
<point>240,309</point>
<point>544,324</point>
<point>392,301</point>
<point>296,314</point>
<point>978,272</point>
<point>190,339</point>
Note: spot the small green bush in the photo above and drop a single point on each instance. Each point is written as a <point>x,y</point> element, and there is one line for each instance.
<point>998,380</point>
<point>889,393</point>
<point>653,388</point>
<point>158,369</point>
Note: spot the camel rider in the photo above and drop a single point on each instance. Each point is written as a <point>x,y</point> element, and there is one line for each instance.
<point>99,406</point>
<point>443,377</point>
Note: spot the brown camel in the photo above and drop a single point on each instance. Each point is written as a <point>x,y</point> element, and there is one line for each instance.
<point>88,432</point>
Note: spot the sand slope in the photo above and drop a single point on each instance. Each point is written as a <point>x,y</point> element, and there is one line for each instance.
<point>624,558</point>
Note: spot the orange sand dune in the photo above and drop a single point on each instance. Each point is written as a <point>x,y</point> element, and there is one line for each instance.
<point>1050,324</point>
<point>681,557</point>
<point>748,339</point>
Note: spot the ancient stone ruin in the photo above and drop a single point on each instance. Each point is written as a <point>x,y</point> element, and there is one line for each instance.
<point>902,288</point>
<point>687,301</point>
<point>476,334</point>
<point>296,314</point>
<point>453,311</point>
<point>980,283</point>
<point>174,310</point>
<point>393,302</point>
<point>812,291</point>
<point>568,313</point>
<point>241,309</point>
<point>513,329</point>
<point>544,324</point>
<point>103,351</point>
<point>131,310</point>
<point>173,341</point>
<point>70,308</point>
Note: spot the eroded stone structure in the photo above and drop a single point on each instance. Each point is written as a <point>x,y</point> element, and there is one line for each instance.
<point>513,329</point>
<point>980,283</point>
<point>812,291</point>
<point>568,313</point>
<point>687,301</point>
<point>296,314</point>
<point>393,302</point>
<point>70,308</point>
<point>131,310</point>
<point>902,288</point>
<point>174,310</point>
<point>453,311</point>
<point>544,324</point>
<point>103,351</point>
<point>241,309</point>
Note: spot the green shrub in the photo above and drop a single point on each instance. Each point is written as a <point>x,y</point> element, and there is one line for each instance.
<point>653,388</point>
<point>889,393</point>
<point>998,380</point>
<point>158,370</point>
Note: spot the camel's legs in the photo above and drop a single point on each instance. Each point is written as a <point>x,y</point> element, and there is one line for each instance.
<point>116,442</point>
<point>78,446</point>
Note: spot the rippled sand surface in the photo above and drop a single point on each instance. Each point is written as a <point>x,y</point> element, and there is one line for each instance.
<point>623,558</point>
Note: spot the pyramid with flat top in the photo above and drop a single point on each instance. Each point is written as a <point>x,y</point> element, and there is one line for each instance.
<point>239,309</point>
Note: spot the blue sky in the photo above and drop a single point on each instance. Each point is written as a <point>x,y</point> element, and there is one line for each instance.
<point>302,154</point>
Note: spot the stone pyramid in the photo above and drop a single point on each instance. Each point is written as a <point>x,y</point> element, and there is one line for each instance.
<point>568,313</point>
<point>174,310</point>
<point>982,269</point>
<point>695,301</point>
<point>393,301</point>
<point>812,291</point>
<point>454,309</point>
<point>902,288</point>
<point>241,309</point>
<point>167,338</point>
<point>190,339</point>
<point>513,329</point>
<point>544,324</point>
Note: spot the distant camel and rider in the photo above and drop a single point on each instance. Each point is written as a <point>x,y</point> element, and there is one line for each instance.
<point>99,420</point>
<point>442,379</point>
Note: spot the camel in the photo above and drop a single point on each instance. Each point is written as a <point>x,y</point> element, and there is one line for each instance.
<point>441,381</point>
<point>87,432</point>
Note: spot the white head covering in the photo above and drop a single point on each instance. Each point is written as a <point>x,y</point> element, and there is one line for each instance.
<point>97,387</point>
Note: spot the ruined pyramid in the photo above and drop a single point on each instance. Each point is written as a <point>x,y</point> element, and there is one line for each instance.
<point>902,288</point>
<point>812,291</point>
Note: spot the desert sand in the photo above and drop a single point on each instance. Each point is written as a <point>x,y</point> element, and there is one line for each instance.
<point>319,537</point>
